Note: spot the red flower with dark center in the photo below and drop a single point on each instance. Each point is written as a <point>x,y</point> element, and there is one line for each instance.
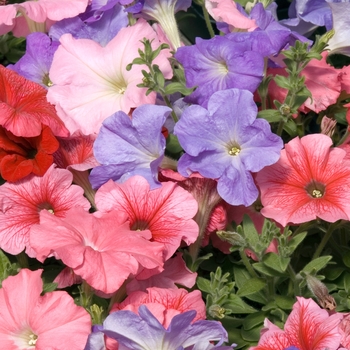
<point>24,107</point>
<point>21,156</point>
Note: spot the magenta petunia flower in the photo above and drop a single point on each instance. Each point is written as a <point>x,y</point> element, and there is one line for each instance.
<point>308,327</point>
<point>311,180</point>
<point>91,82</point>
<point>21,203</point>
<point>103,251</point>
<point>31,321</point>
<point>166,211</point>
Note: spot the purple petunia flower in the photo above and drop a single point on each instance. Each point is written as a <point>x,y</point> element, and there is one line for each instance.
<point>227,142</point>
<point>218,64</point>
<point>36,62</point>
<point>130,146</point>
<point>145,332</point>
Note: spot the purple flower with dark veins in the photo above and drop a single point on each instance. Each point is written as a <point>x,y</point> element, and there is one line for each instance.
<point>227,142</point>
<point>145,332</point>
<point>130,146</point>
<point>221,63</point>
<point>36,62</point>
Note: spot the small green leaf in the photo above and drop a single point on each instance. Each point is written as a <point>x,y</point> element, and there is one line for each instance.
<point>276,262</point>
<point>282,81</point>
<point>49,287</point>
<point>262,268</point>
<point>317,264</point>
<point>346,259</point>
<point>271,115</point>
<point>251,286</point>
<point>172,144</point>
<point>237,305</point>
<point>177,87</point>
<point>254,320</point>
<point>284,302</point>
<point>296,240</point>
<point>204,285</point>
<point>291,128</point>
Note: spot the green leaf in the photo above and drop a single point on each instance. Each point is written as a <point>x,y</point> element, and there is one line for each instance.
<point>251,286</point>
<point>296,240</point>
<point>276,262</point>
<point>282,81</point>
<point>284,302</point>
<point>333,273</point>
<point>262,268</point>
<point>172,144</point>
<point>317,264</point>
<point>250,232</point>
<point>5,266</point>
<point>177,87</point>
<point>253,335</point>
<point>346,259</point>
<point>49,287</point>
<point>347,282</point>
<point>291,128</point>
<point>237,305</point>
<point>204,285</point>
<point>254,320</point>
<point>271,115</point>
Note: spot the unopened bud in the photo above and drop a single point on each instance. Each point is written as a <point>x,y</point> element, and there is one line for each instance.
<point>328,126</point>
<point>320,291</point>
<point>216,311</point>
<point>233,238</point>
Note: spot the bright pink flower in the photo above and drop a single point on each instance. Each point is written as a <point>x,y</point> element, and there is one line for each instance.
<point>344,330</point>
<point>165,303</point>
<point>29,320</point>
<point>166,211</point>
<point>22,201</point>
<point>308,327</point>
<point>24,108</point>
<point>226,11</point>
<point>39,12</point>
<point>91,82</point>
<point>310,180</point>
<point>102,250</point>
<point>175,273</point>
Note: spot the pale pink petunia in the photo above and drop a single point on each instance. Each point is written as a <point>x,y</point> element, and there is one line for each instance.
<point>21,203</point>
<point>311,180</point>
<point>165,303</point>
<point>308,327</point>
<point>39,12</point>
<point>344,330</point>
<point>91,82</point>
<point>175,273</point>
<point>226,11</point>
<point>31,321</point>
<point>102,250</point>
<point>166,211</point>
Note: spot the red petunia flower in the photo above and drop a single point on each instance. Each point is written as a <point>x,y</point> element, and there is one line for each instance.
<point>24,107</point>
<point>21,156</point>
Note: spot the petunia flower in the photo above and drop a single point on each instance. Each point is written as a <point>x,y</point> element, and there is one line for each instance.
<point>34,14</point>
<point>29,320</point>
<point>91,82</point>
<point>103,251</point>
<point>144,332</point>
<point>166,212</point>
<point>164,303</point>
<point>22,202</point>
<point>221,63</point>
<point>127,147</point>
<point>227,142</point>
<point>22,156</point>
<point>308,327</point>
<point>311,180</point>
<point>36,62</point>
<point>24,108</point>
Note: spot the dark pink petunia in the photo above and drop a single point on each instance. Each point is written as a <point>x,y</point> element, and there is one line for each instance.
<point>166,211</point>
<point>100,250</point>
<point>22,201</point>
<point>311,180</point>
<point>29,320</point>
<point>23,107</point>
<point>308,327</point>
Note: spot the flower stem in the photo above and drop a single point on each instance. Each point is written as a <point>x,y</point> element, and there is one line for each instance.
<point>207,21</point>
<point>247,264</point>
<point>323,242</point>
<point>22,259</point>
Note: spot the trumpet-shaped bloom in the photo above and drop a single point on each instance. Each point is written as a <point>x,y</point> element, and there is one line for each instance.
<point>127,147</point>
<point>166,211</point>
<point>165,303</point>
<point>308,327</point>
<point>91,82</point>
<point>144,332</point>
<point>22,202</point>
<point>311,180</point>
<point>227,142</point>
<point>31,321</point>
<point>22,156</point>
<point>103,251</point>
<point>24,108</point>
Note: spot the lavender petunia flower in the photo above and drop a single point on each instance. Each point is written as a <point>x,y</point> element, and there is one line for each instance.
<point>102,31</point>
<point>307,15</point>
<point>36,62</point>
<point>218,64</point>
<point>144,332</point>
<point>227,142</point>
<point>130,146</point>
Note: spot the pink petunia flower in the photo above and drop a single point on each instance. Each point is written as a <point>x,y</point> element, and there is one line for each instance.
<point>34,14</point>
<point>166,211</point>
<point>21,203</point>
<point>102,250</point>
<point>310,180</point>
<point>91,82</point>
<point>31,321</point>
<point>165,303</point>
<point>308,327</point>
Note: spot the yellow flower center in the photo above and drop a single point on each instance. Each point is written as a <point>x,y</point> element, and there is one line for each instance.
<point>234,151</point>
